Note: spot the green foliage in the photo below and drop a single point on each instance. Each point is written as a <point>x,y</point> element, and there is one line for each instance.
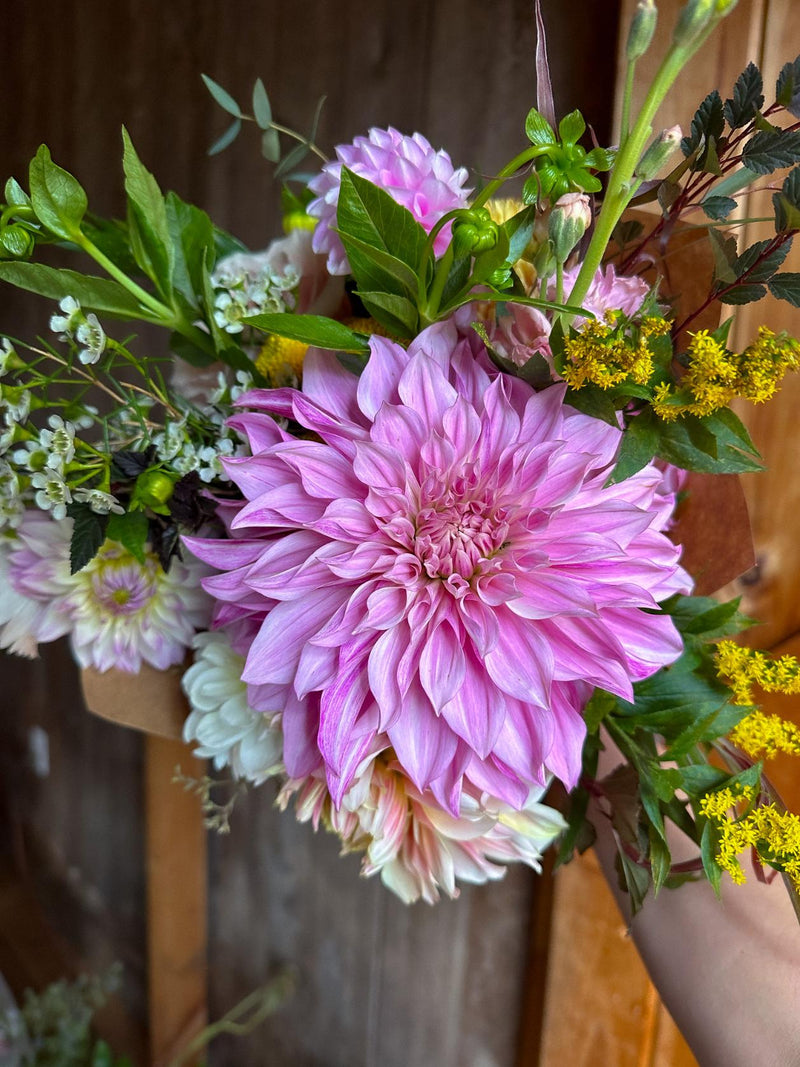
<point>561,164</point>
<point>148,226</point>
<point>88,534</point>
<point>787,89</point>
<point>312,330</point>
<point>747,99</point>
<point>57,199</point>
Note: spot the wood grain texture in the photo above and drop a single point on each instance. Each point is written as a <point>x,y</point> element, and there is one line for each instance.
<point>378,982</point>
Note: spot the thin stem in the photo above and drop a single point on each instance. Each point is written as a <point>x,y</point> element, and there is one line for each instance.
<point>299,137</point>
<point>627,97</point>
<point>163,313</point>
<point>507,172</point>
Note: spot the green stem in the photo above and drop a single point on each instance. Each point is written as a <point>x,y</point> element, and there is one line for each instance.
<point>163,313</point>
<point>507,172</point>
<point>621,187</point>
<point>429,312</point>
<point>627,96</point>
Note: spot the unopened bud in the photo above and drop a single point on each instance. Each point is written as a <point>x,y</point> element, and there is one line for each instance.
<point>643,26</point>
<point>694,18</point>
<point>658,153</point>
<point>570,218</point>
<point>154,488</point>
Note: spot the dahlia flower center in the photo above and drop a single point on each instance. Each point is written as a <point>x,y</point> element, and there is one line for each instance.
<point>119,584</point>
<point>457,536</point>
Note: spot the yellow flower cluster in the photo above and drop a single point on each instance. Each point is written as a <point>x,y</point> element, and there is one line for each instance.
<point>774,834</point>
<point>715,376</point>
<point>742,668</point>
<point>602,356</point>
<point>764,736</point>
<point>281,360</point>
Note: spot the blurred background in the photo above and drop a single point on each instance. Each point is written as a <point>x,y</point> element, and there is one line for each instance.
<point>519,973</point>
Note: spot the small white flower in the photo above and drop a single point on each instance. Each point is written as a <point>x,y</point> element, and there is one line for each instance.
<point>53,493</point>
<point>32,456</point>
<point>59,439</point>
<point>101,503</point>
<point>66,324</point>
<point>91,336</point>
<point>225,727</point>
<point>16,402</point>
<point>88,418</point>
<point>6,354</point>
<point>244,383</point>
<point>230,308</point>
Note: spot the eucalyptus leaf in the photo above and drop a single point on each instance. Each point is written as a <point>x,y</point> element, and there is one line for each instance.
<point>270,146</point>
<point>222,97</point>
<point>262,111</point>
<point>227,138</point>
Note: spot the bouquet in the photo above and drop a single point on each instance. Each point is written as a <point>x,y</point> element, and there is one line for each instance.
<point>397,495</point>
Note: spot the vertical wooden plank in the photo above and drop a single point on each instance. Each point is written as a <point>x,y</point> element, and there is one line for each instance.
<point>176,902</point>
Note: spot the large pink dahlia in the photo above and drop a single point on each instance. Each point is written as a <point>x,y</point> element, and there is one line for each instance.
<point>417,177</point>
<point>441,572</point>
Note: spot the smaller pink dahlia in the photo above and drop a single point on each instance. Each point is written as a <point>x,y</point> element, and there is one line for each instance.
<point>117,612</point>
<point>420,179</point>
<point>609,291</point>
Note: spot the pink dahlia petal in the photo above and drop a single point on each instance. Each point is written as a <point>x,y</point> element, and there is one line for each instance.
<point>444,574</point>
<point>417,177</point>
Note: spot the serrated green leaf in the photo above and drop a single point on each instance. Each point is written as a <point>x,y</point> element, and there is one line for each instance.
<point>718,207</point>
<point>370,215</point>
<point>708,123</point>
<point>571,128</point>
<point>311,330</point>
<point>709,846</point>
<point>130,530</point>
<point>757,263</point>
<point>147,219</point>
<point>705,617</point>
<point>787,87</point>
<point>88,534</point>
<point>786,286</point>
<point>222,97</point>
<point>57,198</point>
<point>705,445</point>
<point>262,111</point>
<point>747,98</point>
<point>227,138</point>
<point>101,295</point>
<point>638,446</point>
<point>767,152</point>
<point>396,313</point>
<point>538,130</point>
<point>743,294</point>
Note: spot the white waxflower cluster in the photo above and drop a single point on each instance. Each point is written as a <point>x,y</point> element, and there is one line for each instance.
<point>85,330</point>
<point>245,286</point>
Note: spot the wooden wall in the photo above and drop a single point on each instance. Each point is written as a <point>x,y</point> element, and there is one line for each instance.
<point>377,982</point>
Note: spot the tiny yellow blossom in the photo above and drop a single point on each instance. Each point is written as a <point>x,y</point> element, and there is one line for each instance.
<point>763,736</point>
<point>603,356</point>
<point>715,376</point>
<point>281,360</point>
<point>742,668</point>
<point>773,834</point>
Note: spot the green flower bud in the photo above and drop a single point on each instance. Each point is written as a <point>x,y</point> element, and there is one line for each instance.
<point>643,26</point>
<point>694,18</point>
<point>154,488</point>
<point>569,220</point>
<point>474,232</point>
<point>658,153</point>
<point>16,242</point>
